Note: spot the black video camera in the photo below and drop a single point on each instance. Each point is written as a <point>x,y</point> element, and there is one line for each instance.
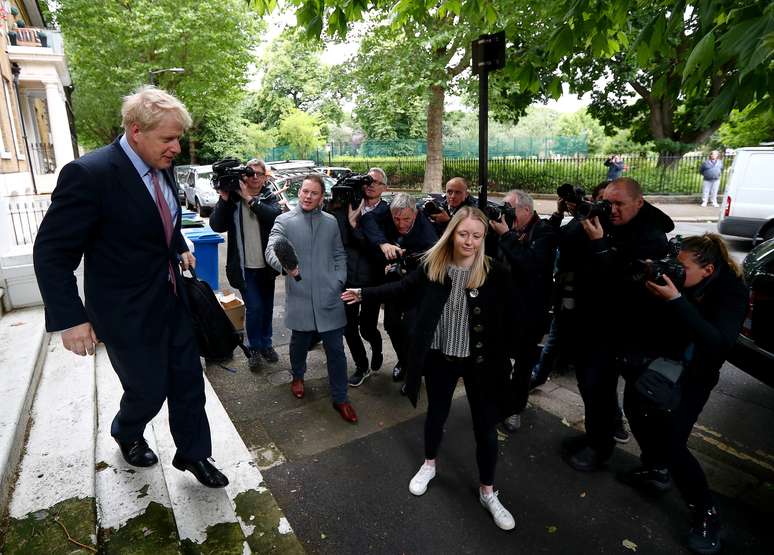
<point>227,174</point>
<point>584,209</point>
<point>401,266</point>
<point>349,189</point>
<point>655,270</point>
<point>505,210</point>
<point>431,208</point>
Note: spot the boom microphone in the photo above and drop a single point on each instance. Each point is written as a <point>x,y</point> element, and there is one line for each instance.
<point>286,255</point>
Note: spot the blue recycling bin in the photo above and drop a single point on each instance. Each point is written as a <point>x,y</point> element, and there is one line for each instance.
<point>206,244</point>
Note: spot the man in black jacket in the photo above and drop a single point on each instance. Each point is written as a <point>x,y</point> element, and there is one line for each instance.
<point>456,197</point>
<point>365,267</point>
<point>402,237</point>
<point>614,311</point>
<point>529,248</point>
<point>248,215</point>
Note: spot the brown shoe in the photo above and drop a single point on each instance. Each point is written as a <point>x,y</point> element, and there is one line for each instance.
<point>347,412</point>
<point>297,387</point>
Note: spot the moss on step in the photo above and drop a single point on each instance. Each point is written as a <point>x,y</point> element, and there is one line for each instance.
<point>222,539</point>
<point>43,532</point>
<point>150,533</point>
<point>259,509</point>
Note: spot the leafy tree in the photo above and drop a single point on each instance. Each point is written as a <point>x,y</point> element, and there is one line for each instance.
<point>112,48</point>
<point>295,78</point>
<point>583,123</point>
<point>301,131</point>
<point>747,129</point>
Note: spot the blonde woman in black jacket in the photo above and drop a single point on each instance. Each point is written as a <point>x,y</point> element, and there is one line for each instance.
<point>463,301</point>
<point>700,324</point>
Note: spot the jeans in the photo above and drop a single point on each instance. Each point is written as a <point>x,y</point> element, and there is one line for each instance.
<point>709,190</point>
<point>258,296</point>
<point>300,342</point>
<point>440,380</point>
<point>362,319</point>
<point>663,436</point>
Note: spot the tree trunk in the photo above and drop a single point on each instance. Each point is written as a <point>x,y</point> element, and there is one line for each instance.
<point>434,163</point>
<point>192,149</point>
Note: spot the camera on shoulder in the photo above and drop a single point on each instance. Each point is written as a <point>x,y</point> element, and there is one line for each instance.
<point>349,189</point>
<point>227,174</point>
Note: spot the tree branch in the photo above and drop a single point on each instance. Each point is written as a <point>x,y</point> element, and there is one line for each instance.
<point>642,91</point>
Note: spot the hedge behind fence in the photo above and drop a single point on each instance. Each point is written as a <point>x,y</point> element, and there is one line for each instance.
<point>543,175</point>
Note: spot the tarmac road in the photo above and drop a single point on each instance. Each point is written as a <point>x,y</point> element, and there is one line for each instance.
<point>344,488</point>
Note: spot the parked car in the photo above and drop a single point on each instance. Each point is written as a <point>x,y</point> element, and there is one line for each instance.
<point>307,166</point>
<point>180,173</point>
<point>334,171</point>
<point>748,202</point>
<point>293,180</point>
<point>200,195</point>
<point>754,349</point>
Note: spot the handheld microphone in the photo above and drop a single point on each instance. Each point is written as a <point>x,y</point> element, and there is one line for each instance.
<point>286,255</point>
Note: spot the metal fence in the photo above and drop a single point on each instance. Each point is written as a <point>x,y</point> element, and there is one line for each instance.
<point>25,214</point>
<point>657,175</point>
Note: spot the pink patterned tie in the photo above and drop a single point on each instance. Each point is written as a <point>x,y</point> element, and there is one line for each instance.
<point>166,220</point>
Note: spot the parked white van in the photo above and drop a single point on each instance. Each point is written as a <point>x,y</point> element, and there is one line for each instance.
<point>748,204</point>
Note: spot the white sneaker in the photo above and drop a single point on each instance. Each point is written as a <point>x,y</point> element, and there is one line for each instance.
<point>512,423</point>
<point>715,205</point>
<point>418,484</point>
<point>502,517</point>
<point>704,204</point>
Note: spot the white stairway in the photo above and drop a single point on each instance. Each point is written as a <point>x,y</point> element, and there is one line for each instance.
<point>70,491</point>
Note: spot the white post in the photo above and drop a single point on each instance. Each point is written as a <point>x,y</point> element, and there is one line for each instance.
<point>60,127</point>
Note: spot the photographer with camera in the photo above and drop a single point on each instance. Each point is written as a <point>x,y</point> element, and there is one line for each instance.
<point>365,268</point>
<point>615,167</point>
<point>701,320</point>
<point>528,245</point>
<point>611,304</point>
<point>246,210</point>
<point>457,196</point>
<point>402,238</point>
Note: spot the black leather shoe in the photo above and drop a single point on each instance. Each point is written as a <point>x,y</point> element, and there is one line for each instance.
<point>656,480</point>
<point>586,460</point>
<point>573,444</point>
<point>207,474</point>
<point>398,373</point>
<point>137,453</point>
<point>270,354</point>
<point>704,535</point>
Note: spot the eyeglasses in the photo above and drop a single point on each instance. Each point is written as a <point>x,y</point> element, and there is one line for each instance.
<point>376,183</point>
<point>258,174</point>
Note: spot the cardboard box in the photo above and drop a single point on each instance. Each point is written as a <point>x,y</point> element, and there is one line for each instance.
<point>235,310</point>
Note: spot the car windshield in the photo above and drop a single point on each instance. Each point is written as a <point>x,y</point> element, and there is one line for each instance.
<point>204,178</point>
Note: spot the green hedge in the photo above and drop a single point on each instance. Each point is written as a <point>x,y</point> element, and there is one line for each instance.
<point>544,175</point>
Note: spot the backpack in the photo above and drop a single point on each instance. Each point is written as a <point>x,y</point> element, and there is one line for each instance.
<point>215,334</point>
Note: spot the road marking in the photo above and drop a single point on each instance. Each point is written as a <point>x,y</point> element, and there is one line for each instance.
<point>734,452</point>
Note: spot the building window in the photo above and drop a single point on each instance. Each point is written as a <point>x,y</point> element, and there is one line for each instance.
<point>11,112</point>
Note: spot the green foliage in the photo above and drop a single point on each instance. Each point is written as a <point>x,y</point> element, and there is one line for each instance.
<point>747,129</point>
<point>541,175</point>
<point>301,131</point>
<point>112,48</point>
<point>583,123</point>
<point>295,78</point>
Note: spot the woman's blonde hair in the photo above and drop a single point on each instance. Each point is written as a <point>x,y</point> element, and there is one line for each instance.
<point>441,255</point>
<point>710,249</point>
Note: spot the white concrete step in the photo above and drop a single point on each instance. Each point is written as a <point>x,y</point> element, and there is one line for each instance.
<point>22,336</point>
<point>54,494</point>
<point>133,505</point>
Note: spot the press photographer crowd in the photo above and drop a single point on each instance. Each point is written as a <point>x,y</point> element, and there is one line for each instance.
<point>495,295</point>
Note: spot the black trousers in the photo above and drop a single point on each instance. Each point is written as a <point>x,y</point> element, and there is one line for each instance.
<point>362,320</point>
<point>440,380</point>
<point>396,324</point>
<point>170,369</point>
<point>525,357</point>
<point>597,374</point>
<point>663,436</point>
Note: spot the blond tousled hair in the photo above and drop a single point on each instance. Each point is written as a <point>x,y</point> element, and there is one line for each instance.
<point>441,255</point>
<point>147,107</point>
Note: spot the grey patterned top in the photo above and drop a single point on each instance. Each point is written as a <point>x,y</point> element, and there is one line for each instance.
<point>452,335</point>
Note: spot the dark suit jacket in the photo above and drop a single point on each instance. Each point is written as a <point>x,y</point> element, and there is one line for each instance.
<point>101,210</point>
